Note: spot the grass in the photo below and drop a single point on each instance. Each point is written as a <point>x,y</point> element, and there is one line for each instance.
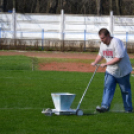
<point>15,63</point>
<point>61,60</point>
<point>24,93</point>
<point>132,62</point>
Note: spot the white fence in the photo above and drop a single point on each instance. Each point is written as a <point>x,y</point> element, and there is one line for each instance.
<point>64,26</point>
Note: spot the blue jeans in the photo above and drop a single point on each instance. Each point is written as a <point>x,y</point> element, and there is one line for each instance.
<point>109,89</point>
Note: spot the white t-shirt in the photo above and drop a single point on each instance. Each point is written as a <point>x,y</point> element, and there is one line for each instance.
<point>117,49</point>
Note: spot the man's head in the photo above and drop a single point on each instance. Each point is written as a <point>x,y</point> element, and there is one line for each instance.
<point>104,36</point>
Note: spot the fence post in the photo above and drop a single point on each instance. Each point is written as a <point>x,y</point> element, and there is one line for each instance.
<point>62,28</point>
<point>0,32</point>
<point>14,23</point>
<point>85,40</point>
<point>111,25</point>
<point>126,39</point>
<point>0,36</point>
<point>42,39</point>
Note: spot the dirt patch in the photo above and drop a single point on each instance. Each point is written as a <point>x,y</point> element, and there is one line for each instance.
<point>78,67</point>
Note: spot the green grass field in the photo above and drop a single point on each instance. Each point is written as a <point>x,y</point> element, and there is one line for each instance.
<point>25,93</point>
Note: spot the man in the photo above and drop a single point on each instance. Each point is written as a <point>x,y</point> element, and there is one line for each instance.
<point>118,69</point>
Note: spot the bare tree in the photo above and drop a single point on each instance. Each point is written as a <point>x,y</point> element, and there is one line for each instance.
<point>1,2</point>
<point>37,6</point>
<point>110,5</point>
<point>133,7</point>
<point>117,7</point>
<point>32,6</point>
<point>59,6</point>
<point>14,3</point>
<point>98,7</point>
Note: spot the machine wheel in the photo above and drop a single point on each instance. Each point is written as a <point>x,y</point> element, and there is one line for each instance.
<point>48,112</point>
<point>79,112</point>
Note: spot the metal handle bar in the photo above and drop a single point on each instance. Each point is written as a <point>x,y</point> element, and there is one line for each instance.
<point>97,66</point>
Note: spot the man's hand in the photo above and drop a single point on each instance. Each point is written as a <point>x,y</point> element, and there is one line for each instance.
<point>103,65</point>
<point>93,64</point>
<point>97,60</point>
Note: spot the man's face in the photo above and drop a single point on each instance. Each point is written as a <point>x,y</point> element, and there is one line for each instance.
<point>104,39</point>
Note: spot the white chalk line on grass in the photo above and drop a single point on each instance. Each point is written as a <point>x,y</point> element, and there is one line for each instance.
<point>9,77</point>
<point>20,108</point>
<point>21,77</point>
<point>116,111</point>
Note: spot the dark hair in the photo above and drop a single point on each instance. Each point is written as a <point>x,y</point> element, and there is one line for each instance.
<point>104,31</point>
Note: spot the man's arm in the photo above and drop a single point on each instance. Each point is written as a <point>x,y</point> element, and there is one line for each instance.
<point>112,62</point>
<point>97,60</point>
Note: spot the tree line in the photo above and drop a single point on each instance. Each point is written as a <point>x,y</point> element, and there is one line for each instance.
<point>98,7</point>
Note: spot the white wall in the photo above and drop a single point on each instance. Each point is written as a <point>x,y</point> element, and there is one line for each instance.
<point>64,26</point>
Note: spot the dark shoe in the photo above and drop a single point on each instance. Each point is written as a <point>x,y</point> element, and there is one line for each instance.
<point>101,109</point>
<point>129,111</point>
